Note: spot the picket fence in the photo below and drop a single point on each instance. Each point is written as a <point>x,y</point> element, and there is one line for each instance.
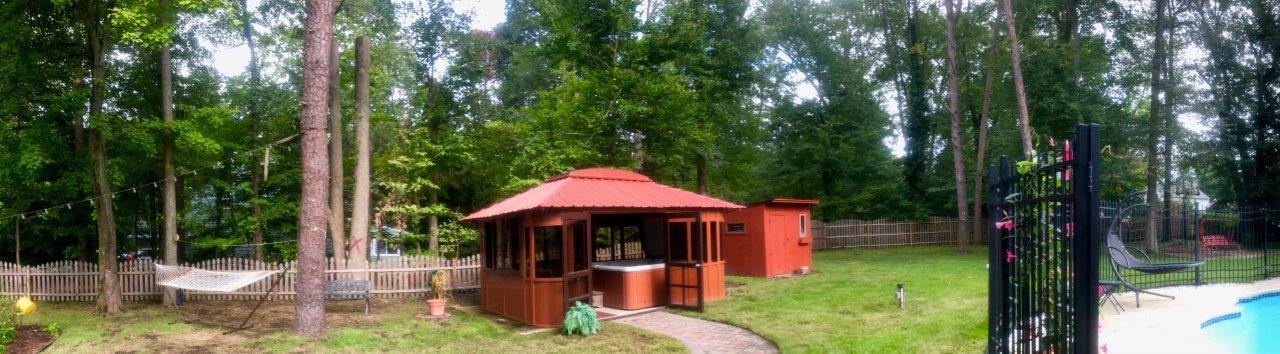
<point>393,277</point>
<point>884,233</point>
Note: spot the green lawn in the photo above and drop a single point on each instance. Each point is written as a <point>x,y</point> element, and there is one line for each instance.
<point>394,327</point>
<point>847,304</point>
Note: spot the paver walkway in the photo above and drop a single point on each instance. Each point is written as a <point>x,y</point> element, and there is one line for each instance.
<point>701,336</point>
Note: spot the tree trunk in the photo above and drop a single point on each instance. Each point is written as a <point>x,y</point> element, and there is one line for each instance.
<point>701,162</point>
<point>1153,128</point>
<point>981,152</point>
<point>1169,125</point>
<point>255,126</point>
<point>360,203</point>
<point>433,222</point>
<point>109,297</point>
<point>337,216</point>
<point>1015,58</point>
<point>170,190</point>
<point>957,148</point>
<point>309,302</point>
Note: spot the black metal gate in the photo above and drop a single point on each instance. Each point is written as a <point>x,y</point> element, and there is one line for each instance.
<point>1044,258</point>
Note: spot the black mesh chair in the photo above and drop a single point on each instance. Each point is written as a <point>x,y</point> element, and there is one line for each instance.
<point>1122,259</point>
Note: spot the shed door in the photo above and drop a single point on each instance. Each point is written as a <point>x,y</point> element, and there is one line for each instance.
<point>577,262</point>
<point>780,242</point>
<point>685,252</point>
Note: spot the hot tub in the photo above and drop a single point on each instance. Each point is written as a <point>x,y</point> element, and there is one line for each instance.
<point>631,284</point>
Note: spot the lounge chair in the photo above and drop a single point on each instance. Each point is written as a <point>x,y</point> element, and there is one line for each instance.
<point>1121,258</point>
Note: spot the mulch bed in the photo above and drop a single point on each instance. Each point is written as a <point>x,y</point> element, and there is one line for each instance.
<point>29,339</point>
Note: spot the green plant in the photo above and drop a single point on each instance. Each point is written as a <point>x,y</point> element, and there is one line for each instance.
<point>8,333</point>
<point>440,284</point>
<point>581,319</point>
<point>53,329</point>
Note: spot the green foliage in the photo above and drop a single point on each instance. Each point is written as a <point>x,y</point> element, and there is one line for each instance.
<point>52,329</point>
<point>581,319</point>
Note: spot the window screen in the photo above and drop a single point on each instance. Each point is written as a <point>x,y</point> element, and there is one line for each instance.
<point>804,225</point>
<point>736,228</point>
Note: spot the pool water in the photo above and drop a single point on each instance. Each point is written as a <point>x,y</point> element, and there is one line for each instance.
<point>1252,330</point>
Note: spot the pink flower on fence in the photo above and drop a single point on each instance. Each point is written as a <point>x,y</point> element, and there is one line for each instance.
<point>1071,229</point>
<point>1100,291</point>
<point>1066,151</point>
<point>1006,225</point>
<point>1008,256</point>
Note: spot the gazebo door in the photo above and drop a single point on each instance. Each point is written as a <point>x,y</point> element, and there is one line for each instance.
<point>685,242</point>
<point>577,262</point>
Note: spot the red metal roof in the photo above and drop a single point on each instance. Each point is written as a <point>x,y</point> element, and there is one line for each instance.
<point>787,201</point>
<point>601,188</point>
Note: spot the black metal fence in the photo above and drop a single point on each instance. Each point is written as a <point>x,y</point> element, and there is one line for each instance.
<point>1236,244</point>
<point>1046,227</point>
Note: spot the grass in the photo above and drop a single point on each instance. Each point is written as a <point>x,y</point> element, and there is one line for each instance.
<point>395,326</point>
<point>848,304</point>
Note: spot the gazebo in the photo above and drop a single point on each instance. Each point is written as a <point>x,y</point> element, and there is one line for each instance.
<point>640,243</point>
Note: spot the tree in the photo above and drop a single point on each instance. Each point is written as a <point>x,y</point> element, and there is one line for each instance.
<point>957,148</point>
<point>337,216</point>
<point>917,129</point>
<point>1015,59</point>
<point>96,33</point>
<point>1154,124</point>
<point>360,203</point>
<point>309,303</point>
<point>170,175</point>
<point>255,126</point>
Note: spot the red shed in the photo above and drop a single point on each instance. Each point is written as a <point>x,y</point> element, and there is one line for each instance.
<point>640,243</point>
<point>769,238</point>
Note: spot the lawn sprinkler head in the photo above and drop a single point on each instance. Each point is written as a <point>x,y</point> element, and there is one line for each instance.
<point>902,297</point>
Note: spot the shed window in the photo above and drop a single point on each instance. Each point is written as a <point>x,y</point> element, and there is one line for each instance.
<point>548,250</point>
<point>736,228</point>
<point>804,225</point>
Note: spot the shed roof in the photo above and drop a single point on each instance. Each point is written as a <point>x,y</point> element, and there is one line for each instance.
<point>786,201</point>
<point>604,188</point>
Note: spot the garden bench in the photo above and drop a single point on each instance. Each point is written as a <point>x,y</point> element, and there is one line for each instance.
<point>348,289</point>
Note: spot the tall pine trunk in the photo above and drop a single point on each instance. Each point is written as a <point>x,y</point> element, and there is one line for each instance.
<point>358,258</point>
<point>1169,125</point>
<point>170,194</point>
<point>337,215</point>
<point>1153,128</point>
<point>312,208</point>
<point>957,148</point>
<point>1020,92</point>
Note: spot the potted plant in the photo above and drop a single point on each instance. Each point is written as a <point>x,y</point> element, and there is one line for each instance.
<point>439,291</point>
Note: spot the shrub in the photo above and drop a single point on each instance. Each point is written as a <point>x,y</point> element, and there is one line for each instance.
<point>581,319</point>
<point>440,284</point>
<point>53,329</point>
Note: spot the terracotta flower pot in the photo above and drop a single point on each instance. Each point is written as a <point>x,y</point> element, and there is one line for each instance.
<point>437,306</point>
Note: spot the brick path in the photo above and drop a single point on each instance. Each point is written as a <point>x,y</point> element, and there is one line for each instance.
<point>701,336</point>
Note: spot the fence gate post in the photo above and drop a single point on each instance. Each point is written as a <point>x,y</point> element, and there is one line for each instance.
<point>1266,235</point>
<point>1084,245</point>
<point>1198,248</point>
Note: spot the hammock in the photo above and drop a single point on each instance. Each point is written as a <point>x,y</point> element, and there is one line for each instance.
<point>196,279</point>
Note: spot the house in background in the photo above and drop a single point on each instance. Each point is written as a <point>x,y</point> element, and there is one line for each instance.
<point>769,238</point>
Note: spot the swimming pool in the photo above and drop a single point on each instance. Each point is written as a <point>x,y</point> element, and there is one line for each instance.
<point>1251,330</point>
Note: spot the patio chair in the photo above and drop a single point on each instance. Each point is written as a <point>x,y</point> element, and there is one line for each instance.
<point>1121,258</point>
